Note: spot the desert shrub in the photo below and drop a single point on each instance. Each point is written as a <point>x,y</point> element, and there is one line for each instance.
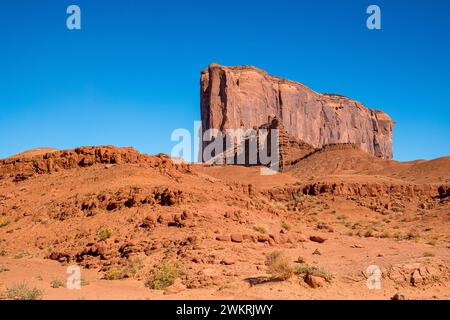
<point>356,225</point>
<point>385,234</point>
<point>412,234</point>
<point>396,207</point>
<point>104,233</point>
<point>163,276</point>
<point>397,235</point>
<point>4,269</point>
<point>306,269</point>
<point>22,254</point>
<point>260,228</point>
<point>285,225</point>
<point>4,222</point>
<point>21,291</point>
<point>369,233</point>
<point>57,283</point>
<point>279,265</point>
<point>84,282</point>
<point>127,271</point>
<point>114,273</point>
<point>279,205</point>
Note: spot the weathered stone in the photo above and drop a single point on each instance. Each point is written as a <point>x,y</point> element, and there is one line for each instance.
<point>315,281</point>
<point>227,261</point>
<point>247,97</point>
<point>223,238</point>
<point>398,296</point>
<point>263,238</point>
<point>318,239</point>
<point>236,237</point>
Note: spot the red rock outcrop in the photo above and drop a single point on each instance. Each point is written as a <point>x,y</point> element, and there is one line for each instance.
<point>22,167</point>
<point>247,97</point>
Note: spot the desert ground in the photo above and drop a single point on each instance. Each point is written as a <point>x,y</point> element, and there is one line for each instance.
<point>142,227</point>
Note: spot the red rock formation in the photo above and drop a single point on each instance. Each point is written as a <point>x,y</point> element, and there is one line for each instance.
<point>247,97</point>
<point>23,166</point>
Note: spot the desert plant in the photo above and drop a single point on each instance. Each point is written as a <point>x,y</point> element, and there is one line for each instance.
<point>412,234</point>
<point>4,222</point>
<point>126,271</point>
<point>385,234</point>
<point>22,254</point>
<point>368,233</point>
<point>113,273</point>
<point>21,291</point>
<point>260,228</point>
<point>104,233</point>
<point>163,276</point>
<point>285,225</point>
<point>396,207</point>
<point>4,269</point>
<point>306,269</point>
<point>57,283</point>
<point>84,282</point>
<point>279,265</point>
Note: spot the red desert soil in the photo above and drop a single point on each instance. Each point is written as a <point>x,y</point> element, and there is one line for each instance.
<point>121,215</point>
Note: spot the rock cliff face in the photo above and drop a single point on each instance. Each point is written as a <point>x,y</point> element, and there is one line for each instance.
<point>247,97</point>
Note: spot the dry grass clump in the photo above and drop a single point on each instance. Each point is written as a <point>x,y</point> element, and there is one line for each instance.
<point>304,269</point>
<point>260,228</point>
<point>57,283</point>
<point>127,271</point>
<point>279,265</point>
<point>21,291</point>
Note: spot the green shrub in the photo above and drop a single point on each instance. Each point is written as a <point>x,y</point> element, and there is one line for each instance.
<point>163,276</point>
<point>21,291</point>
<point>104,233</point>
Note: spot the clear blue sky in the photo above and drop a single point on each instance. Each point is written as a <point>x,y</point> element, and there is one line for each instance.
<point>131,75</point>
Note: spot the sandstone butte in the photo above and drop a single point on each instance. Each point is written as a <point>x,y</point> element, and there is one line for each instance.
<point>247,97</point>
